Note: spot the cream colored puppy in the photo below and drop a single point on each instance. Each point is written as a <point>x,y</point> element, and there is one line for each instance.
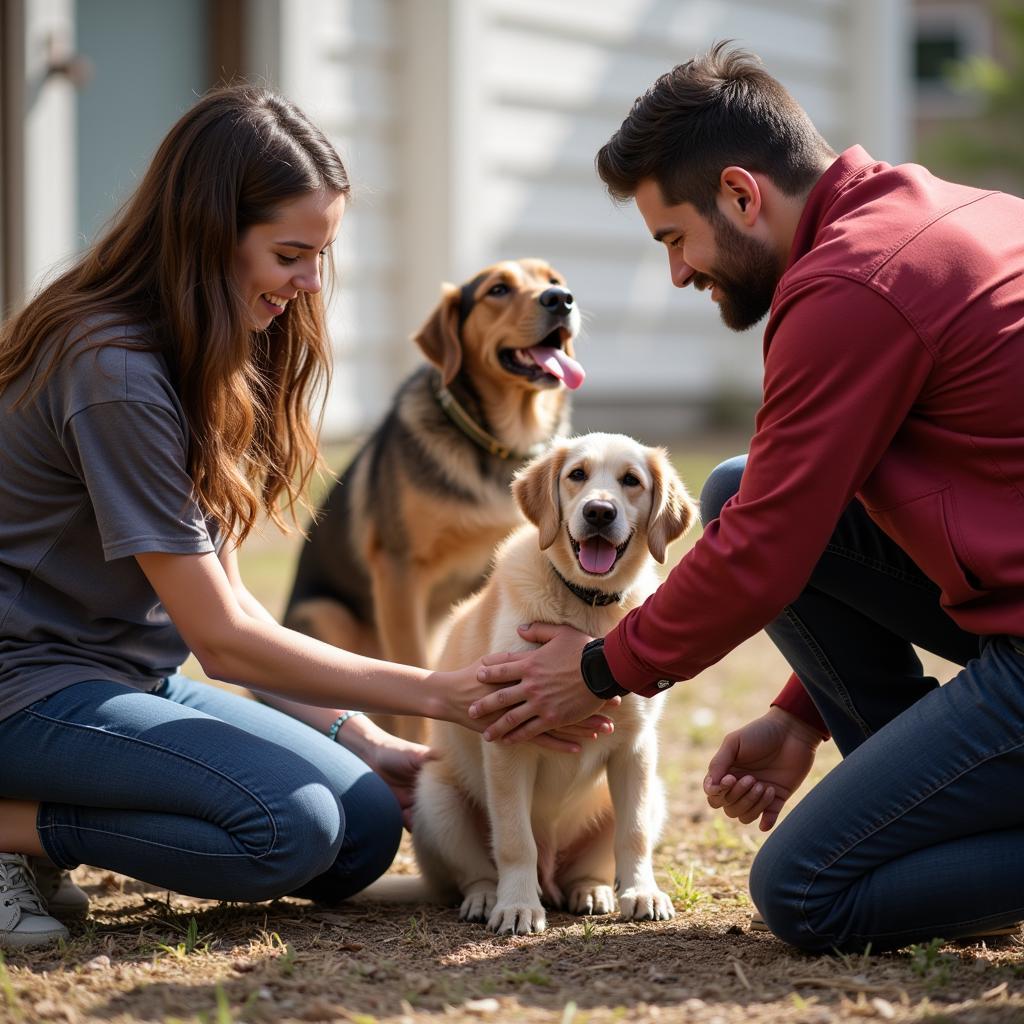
<point>497,825</point>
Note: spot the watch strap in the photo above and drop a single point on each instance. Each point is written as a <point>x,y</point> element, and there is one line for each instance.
<point>596,672</point>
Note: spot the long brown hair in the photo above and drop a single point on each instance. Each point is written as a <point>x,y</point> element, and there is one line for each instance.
<point>720,108</point>
<point>165,266</point>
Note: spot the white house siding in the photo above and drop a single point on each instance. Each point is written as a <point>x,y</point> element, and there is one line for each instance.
<point>337,59</point>
<point>48,138</point>
<point>470,129</point>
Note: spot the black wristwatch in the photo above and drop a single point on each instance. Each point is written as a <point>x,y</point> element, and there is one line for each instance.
<point>596,673</point>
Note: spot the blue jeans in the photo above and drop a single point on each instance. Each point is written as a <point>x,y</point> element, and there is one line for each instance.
<point>195,789</point>
<point>919,831</point>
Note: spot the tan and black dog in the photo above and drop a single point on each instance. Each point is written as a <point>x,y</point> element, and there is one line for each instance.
<point>411,527</point>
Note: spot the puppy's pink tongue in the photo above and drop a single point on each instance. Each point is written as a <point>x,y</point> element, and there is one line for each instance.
<point>597,555</point>
<point>559,365</point>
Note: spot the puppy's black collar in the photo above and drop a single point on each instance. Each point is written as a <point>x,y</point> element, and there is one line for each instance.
<point>589,595</point>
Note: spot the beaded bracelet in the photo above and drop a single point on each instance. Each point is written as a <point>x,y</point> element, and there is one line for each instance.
<point>340,721</point>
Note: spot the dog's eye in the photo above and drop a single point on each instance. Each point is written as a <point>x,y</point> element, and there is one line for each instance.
<point>498,289</point>
<point>553,280</point>
<point>630,480</point>
<point>577,475</point>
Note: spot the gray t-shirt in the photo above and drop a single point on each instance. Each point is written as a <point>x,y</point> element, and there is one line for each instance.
<point>92,472</point>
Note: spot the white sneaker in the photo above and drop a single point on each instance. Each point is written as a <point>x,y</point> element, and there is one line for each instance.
<point>64,900</point>
<point>24,921</point>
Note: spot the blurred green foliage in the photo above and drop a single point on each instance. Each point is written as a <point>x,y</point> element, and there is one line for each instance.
<point>992,141</point>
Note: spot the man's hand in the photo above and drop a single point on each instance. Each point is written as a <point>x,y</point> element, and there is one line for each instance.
<point>549,695</point>
<point>456,695</point>
<point>759,767</point>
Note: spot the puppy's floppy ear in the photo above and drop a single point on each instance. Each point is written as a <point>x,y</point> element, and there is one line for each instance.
<point>536,489</point>
<point>439,336</point>
<point>672,511</point>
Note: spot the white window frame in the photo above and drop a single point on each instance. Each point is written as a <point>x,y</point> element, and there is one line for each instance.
<point>972,23</point>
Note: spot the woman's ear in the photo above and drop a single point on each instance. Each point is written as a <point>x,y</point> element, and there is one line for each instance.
<point>536,490</point>
<point>672,510</point>
<point>439,336</point>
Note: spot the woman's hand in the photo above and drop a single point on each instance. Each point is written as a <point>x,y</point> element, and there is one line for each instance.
<point>568,739</point>
<point>760,766</point>
<point>396,761</point>
<point>548,693</point>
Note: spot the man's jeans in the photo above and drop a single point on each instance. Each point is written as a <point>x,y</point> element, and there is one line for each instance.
<point>196,789</point>
<point>919,831</point>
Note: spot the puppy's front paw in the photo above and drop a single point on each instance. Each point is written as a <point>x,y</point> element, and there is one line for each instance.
<point>645,905</point>
<point>517,919</point>
<point>591,898</point>
<point>478,904</point>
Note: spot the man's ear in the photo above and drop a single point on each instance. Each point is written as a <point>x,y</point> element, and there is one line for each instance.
<point>672,511</point>
<point>739,195</point>
<point>536,490</point>
<point>439,336</point>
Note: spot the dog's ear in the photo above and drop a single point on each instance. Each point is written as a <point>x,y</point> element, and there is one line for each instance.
<point>536,490</point>
<point>672,511</point>
<point>439,336</point>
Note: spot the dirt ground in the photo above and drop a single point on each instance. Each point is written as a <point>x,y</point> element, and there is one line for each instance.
<point>149,955</point>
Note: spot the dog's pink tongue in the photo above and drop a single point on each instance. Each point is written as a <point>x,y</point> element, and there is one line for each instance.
<point>559,365</point>
<point>597,555</point>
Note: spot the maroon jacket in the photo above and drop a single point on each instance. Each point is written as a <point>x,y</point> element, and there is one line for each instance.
<point>893,372</point>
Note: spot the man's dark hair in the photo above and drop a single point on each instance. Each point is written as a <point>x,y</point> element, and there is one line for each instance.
<point>718,109</point>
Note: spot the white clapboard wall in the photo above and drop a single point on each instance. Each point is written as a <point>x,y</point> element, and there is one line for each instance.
<point>470,127</point>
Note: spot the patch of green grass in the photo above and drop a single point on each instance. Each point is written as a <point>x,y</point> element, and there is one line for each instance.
<point>684,893</point>
<point>724,835</point>
<point>420,932</point>
<point>286,959</point>
<point>416,933</point>
<point>535,974</point>
<point>929,962</point>
<point>592,933</point>
<point>192,943</point>
<point>856,964</point>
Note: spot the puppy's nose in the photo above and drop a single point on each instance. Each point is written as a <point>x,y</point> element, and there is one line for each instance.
<point>556,300</point>
<point>599,513</point>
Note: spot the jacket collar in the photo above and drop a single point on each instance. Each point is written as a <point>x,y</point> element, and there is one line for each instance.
<point>847,165</point>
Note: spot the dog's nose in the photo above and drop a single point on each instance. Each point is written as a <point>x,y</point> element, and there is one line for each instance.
<point>556,300</point>
<point>599,513</point>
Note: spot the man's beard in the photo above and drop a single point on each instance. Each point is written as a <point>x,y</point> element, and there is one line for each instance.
<point>746,275</point>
